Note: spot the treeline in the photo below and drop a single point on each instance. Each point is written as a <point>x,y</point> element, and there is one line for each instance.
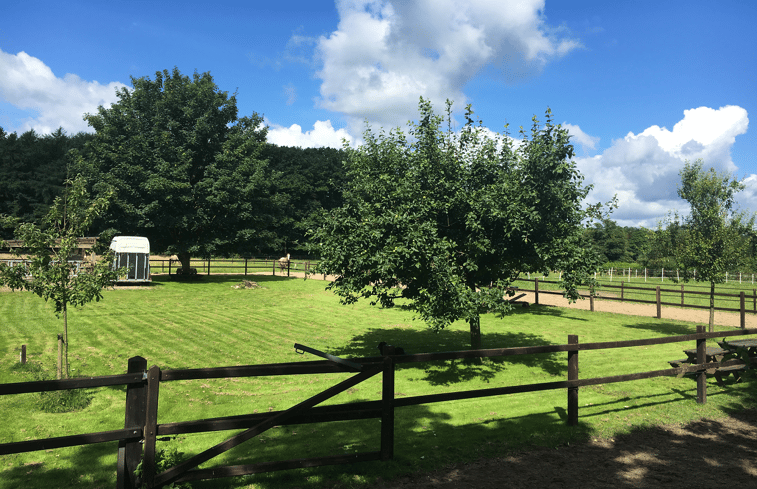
<point>626,246</point>
<point>33,169</point>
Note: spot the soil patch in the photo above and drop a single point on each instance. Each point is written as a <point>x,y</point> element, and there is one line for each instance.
<point>707,453</point>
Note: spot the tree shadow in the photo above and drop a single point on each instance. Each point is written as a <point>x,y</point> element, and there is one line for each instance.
<point>453,371</point>
<point>663,327</point>
<point>87,466</point>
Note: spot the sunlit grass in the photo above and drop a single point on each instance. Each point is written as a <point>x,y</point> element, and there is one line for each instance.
<point>209,323</point>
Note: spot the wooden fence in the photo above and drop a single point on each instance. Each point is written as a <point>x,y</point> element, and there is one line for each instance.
<point>141,425</point>
<point>663,296</point>
<point>242,266</point>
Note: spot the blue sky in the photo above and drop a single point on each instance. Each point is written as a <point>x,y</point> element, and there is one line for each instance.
<point>642,86</point>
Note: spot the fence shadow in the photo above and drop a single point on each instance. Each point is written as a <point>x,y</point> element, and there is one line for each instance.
<point>452,372</point>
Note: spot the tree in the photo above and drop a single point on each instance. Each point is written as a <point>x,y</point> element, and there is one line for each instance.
<point>186,170</point>
<point>313,179</point>
<point>32,171</point>
<point>711,239</point>
<point>448,222</point>
<point>51,270</point>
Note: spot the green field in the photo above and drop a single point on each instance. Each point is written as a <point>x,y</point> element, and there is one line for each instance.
<point>209,323</point>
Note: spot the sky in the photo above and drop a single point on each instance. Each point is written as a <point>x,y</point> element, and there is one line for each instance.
<point>642,86</point>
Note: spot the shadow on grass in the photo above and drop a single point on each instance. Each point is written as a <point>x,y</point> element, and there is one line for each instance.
<point>665,327</point>
<point>453,371</point>
<point>86,466</point>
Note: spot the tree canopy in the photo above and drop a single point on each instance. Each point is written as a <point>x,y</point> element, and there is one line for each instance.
<point>448,221</point>
<point>32,170</point>
<point>186,170</point>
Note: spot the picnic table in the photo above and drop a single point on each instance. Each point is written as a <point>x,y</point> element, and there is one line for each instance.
<point>750,345</point>
<point>714,354</point>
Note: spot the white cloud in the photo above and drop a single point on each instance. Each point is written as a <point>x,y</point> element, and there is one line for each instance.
<point>578,136</point>
<point>385,55</point>
<point>323,134</point>
<point>642,169</point>
<point>27,83</point>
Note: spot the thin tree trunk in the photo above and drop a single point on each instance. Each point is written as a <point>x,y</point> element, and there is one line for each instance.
<point>475,332</point>
<point>712,307</point>
<point>65,336</point>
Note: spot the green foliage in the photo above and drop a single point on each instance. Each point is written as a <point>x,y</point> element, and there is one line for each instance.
<point>63,401</point>
<point>187,171</point>
<point>448,221</point>
<point>313,179</point>
<point>32,171</point>
<point>165,458</point>
<point>51,270</point>
<point>711,239</point>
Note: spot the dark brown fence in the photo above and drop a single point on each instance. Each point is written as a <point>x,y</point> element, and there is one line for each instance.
<point>141,425</point>
<point>663,296</point>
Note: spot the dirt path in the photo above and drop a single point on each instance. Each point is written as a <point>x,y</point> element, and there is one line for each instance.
<point>648,310</point>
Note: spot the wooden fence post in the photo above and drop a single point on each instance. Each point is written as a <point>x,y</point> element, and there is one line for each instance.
<point>130,452</point>
<point>387,410</point>
<point>59,372</point>
<point>151,426</point>
<point>622,290</point>
<point>682,295</point>
<point>572,375</point>
<point>591,301</point>
<point>742,301</point>
<point>754,299</point>
<point>659,304</point>
<point>536,290</point>
<point>245,267</point>
<point>274,268</point>
<point>23,354</point>
<point>702,375</point>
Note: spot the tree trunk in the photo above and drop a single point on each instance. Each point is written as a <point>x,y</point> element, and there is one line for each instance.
<point>712,307</point>
<point>475,332</point>
<point>65,338</point>
<point>475,338</point>
<point>185,259</point>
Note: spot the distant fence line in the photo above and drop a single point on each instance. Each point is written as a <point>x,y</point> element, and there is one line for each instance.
<point>655,295</point>
<point>137,440</point>
<point>662,274</point>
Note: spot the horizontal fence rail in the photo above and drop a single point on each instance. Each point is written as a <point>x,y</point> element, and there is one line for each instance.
<point>138,438</point>
<point>658,295</point>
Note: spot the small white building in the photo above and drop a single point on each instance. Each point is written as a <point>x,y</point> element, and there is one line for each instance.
<point>132,252</point>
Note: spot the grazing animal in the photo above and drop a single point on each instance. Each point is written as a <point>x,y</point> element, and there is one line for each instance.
<point>284,262</point>
<point>385,349</point>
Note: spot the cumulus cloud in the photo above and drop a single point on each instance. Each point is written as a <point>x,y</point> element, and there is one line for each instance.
<point>581,138</point>
<point>384,55</point>
<point>27,83</point>
<point>323,134</point>
<point>642,169</point>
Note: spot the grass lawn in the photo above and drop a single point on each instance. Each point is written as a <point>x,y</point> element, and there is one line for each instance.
<point>210,323</point>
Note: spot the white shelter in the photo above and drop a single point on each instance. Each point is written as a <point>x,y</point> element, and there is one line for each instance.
<point>132,252</point>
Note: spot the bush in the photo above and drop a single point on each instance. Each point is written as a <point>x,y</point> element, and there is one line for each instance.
<point>64,401</point>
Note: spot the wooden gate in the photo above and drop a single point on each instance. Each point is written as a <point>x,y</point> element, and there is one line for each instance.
<point>142,409</point>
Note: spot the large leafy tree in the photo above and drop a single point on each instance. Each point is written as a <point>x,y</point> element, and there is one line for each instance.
<point>187,171</point>
<point>53,269</point>
<point>712,238</point>
<point>448,221</point>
